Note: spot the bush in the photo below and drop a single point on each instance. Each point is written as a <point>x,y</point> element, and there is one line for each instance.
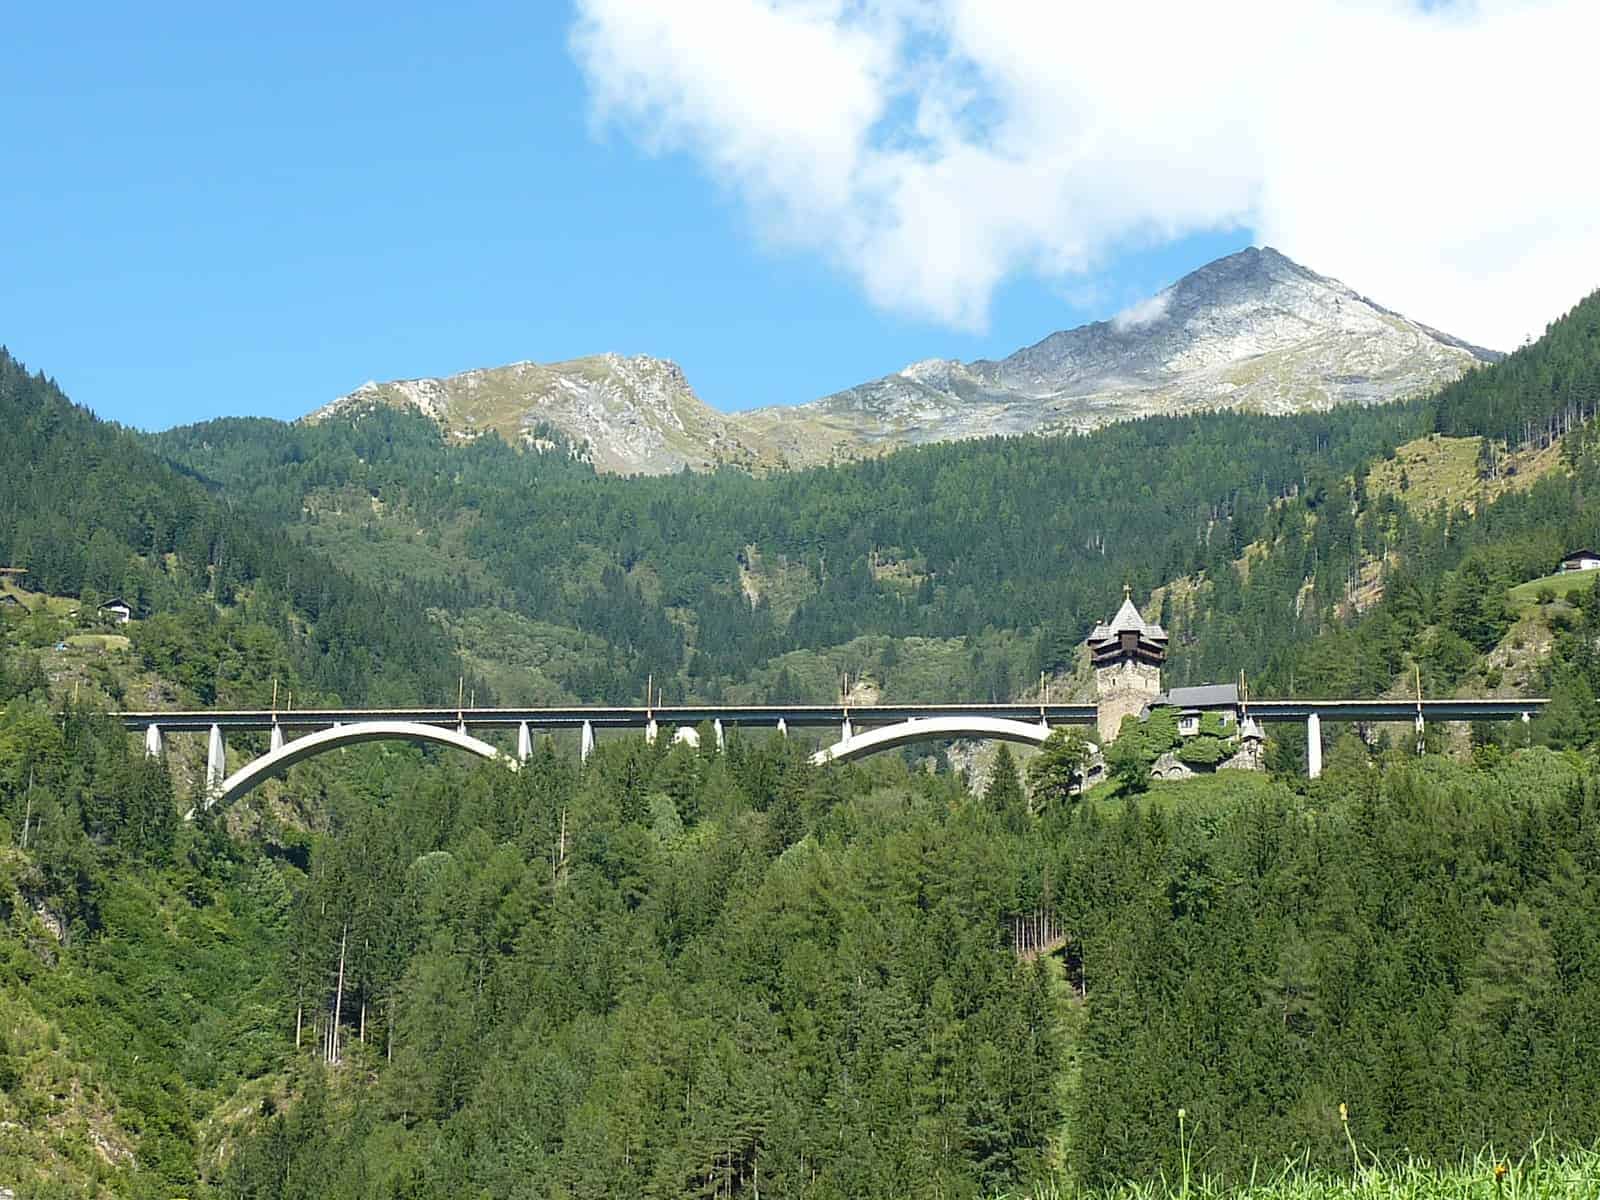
<point>1203,751</point>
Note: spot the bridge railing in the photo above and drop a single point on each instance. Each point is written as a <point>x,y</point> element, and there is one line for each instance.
<point>943,720</point>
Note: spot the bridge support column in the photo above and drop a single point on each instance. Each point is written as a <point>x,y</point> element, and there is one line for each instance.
<point>652,731</point>
<point>277,737</point>
<point>1314,746</point>
<point>586,742</point>
<point>783,727</point>
<point>1421,730</point>
<point>524,742</point>
<point>216,761</point>
<point>845,732</point>
<point>722,738</point>
<point>152,741</point>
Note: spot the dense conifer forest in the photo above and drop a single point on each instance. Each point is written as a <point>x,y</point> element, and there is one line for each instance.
<point>1031,536</point>
<point>1011,547</point>
<point>92,513</point>
<point>674,970</point>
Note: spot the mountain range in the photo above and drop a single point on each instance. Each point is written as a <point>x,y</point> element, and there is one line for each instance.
<point>1253,331</point>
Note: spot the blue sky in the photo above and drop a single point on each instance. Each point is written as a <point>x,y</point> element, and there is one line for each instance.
<point>213,212</point>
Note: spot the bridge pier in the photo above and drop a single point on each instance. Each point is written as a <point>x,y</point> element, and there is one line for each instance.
<point>586,741</point>
<point>1421,730</point>
<point>722,738</point>
<point>277,737</point>
<point>152,741</point>
<point>651,731</point>
<point>1314,746</point>
<point>524,742</point>
<point>783,727</point>
<point>216,761</point>
<point>845,732</point>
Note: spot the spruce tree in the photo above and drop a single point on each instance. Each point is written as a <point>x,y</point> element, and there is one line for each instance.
<point>1003,796</point>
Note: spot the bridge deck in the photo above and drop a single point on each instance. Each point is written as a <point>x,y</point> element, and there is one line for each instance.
<point>1491,709</point>
<point>803,716</point>
<point>795,716</point>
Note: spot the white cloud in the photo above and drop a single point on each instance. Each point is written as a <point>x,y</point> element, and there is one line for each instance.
<point>1438,160</point>
<point>1146,312</point>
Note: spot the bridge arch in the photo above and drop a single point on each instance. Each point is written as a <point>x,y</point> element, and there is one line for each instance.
<point>929,729</point>
<point>280,760</point>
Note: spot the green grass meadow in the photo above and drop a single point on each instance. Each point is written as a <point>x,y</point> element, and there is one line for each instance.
<point>1574,1176</point>
<point>1526,595</point>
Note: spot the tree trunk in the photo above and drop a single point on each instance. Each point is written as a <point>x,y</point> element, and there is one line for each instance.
<point>338,1002</point>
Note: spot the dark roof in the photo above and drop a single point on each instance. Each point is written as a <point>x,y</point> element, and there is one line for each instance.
<point>117,602</point>
<point>1579,554</point>
<point>1210,695</point>
<point>1127,620</point>
<point>8,598</point>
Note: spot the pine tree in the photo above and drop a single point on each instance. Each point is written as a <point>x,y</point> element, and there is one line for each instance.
<point>1003,797</point>
<point>1053,776</point>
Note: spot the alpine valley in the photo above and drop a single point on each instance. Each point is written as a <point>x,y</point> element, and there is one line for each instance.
<point>702,967</point>
<point>1253,331</point>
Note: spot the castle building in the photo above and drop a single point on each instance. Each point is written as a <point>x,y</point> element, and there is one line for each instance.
<point>1126,652</point>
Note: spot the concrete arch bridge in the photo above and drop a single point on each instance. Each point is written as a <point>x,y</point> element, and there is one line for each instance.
<point>299,734</point>
<point>296,735</point>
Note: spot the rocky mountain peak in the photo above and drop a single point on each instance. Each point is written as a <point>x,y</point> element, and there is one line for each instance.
<point>1254,330</point>
<point>627,414</point>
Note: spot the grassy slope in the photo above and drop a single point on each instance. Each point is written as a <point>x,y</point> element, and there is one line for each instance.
<point>1526,595</point>
<point>1444,470</point>
<point>1574,1176</point>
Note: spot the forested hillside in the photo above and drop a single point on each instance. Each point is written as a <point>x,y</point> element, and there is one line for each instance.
<point>683,971</point>
<point>1003,552</point>
<point>678,972</point>
<point>1029,537</point>
<point>1544,389</point>
<point>91,513</point>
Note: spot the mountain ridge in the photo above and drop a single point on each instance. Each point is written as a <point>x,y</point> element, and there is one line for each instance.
<point>1254,331</point>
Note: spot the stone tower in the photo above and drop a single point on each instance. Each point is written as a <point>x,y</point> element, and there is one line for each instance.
<point>1127,652</point>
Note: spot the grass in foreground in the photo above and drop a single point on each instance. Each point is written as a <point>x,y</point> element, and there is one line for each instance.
<point>1535,1177</point>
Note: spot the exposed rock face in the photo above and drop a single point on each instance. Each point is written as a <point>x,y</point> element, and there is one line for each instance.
<point>1251,331</point>
<point>627,415</point>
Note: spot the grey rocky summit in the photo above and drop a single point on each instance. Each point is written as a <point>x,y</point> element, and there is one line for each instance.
<point>1253,331</point>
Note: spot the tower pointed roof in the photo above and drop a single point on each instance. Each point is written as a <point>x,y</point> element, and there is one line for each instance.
<point>1127,620</point>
